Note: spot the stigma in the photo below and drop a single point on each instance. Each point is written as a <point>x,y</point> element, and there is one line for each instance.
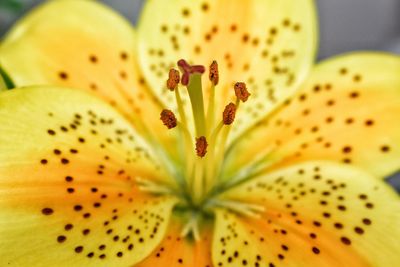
<point>188,70</point>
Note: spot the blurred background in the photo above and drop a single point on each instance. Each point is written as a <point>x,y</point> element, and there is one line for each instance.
<point>345,25</point>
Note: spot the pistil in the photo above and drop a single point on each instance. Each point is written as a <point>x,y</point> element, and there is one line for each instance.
<point>172,85</point>
<point>191,78</point>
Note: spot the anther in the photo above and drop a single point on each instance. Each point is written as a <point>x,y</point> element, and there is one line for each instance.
<point>187,70</point>
<point>214,75</point>
<point>228,116</point>
<point>168,118</point>
<point>173,79</point>
<point>241,91</point>
<point>201,146</point>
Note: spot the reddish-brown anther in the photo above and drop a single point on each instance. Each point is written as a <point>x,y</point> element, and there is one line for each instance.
<point>173,79</point>
<point>188,70</point>
<point>241,91</point>
<point>228,116</point>
<point>214,74</point>
<point>168,118</point>
<point>201,146</point>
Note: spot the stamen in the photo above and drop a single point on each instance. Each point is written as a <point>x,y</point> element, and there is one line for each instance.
<point>170,121</point>
<point>201,146</point>
<point>241,91</point>
<point>228,116</point>
<point>173,79</point>
<point>214,75</point>
<point>198,179</point>
<point>214,78</point>
<point>168,118</point>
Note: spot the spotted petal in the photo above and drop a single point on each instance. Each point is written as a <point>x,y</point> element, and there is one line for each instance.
<point>85,45</point>
<point>347,111</point>
<point>176,251</point>
<point>266,43</point>
<point>69,195</point>
<point>316,214</point>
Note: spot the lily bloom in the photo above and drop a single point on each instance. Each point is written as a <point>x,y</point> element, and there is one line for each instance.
<point>258,160</point>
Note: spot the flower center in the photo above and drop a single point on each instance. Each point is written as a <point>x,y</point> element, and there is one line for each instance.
<point>204,152</point>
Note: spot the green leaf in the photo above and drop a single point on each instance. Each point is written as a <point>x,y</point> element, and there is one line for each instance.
<point>5,80</point>
<point>2,84</point>
<point>11,5</point>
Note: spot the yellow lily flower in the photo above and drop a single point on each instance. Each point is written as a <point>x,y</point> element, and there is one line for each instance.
<point>270,163</point>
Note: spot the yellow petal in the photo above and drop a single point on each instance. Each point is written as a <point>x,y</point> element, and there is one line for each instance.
<point>68,190</point>
<point>347,111</point>
<point>85,45</point>
<point>268,44</point>
<point>316,214</point>
<point>175,251</point>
